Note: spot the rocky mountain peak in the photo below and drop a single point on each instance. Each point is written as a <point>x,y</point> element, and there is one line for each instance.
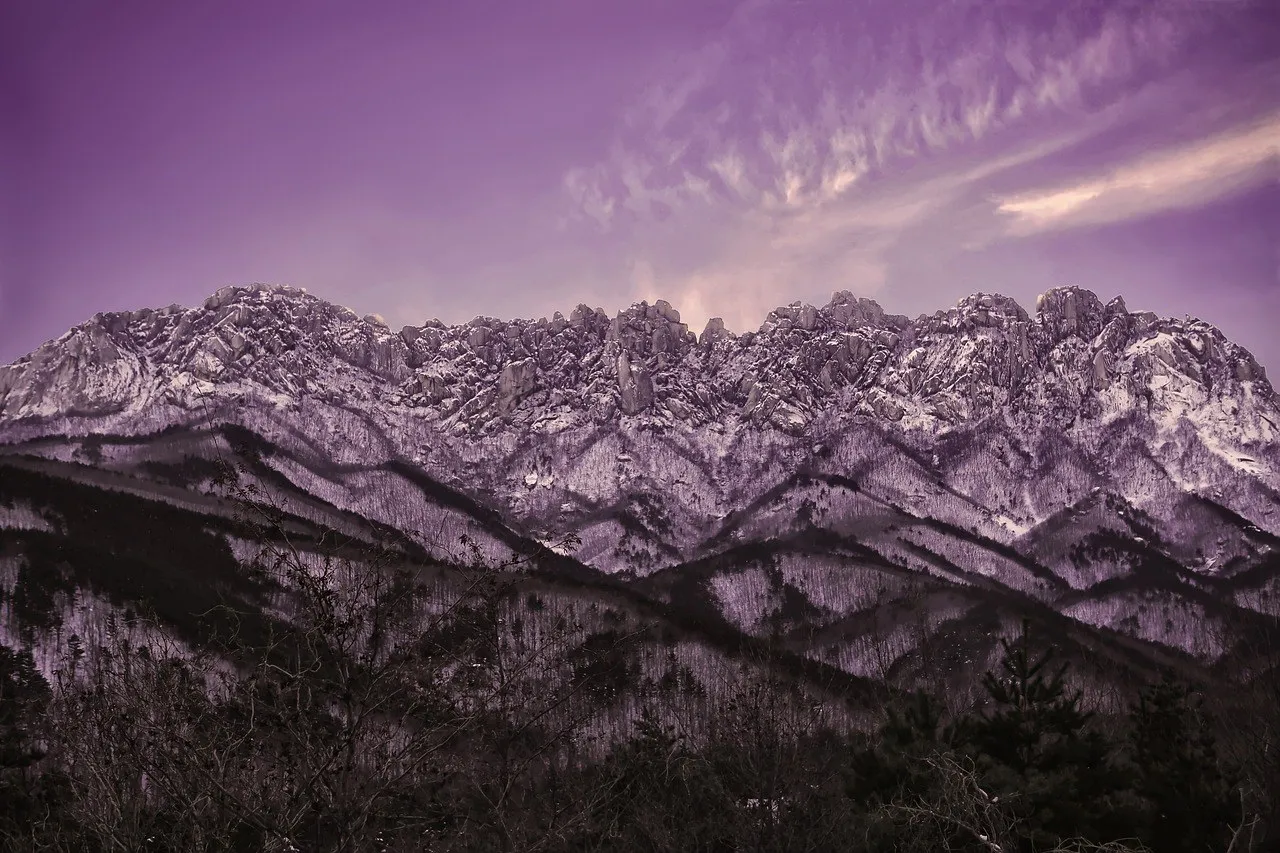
<point>848,311</point>
<point>1076,358</point>
<point>1064,311</point>
<point>714,331</point>
<point>991,309</point>
<point>646,331</point>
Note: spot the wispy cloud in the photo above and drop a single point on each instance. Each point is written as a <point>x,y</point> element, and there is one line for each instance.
<point>1177,177</point>
<point>786,156</point>
<point>735,188</point>
<point>589,196</point>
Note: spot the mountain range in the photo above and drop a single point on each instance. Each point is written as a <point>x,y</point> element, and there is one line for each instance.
<point>883,495</point>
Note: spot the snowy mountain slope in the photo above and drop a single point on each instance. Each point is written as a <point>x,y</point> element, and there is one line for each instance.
<point>81,558</point>
<point>982,446</point>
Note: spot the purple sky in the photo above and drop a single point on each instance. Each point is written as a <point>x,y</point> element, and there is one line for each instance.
<point>448,158</point>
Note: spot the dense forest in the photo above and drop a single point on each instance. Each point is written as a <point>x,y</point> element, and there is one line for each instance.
<point>361,710</point>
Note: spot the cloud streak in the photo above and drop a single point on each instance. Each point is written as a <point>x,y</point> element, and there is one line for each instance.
<point>786,154</point>
<point>1178,177</point>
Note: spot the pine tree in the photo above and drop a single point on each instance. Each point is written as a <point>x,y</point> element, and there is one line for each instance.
<point>1033,712</point>
<point>23,693</point>
<point>665,796</point>
<point>919,721</point>
<point>1035,749</point>
<point>1189,799</point>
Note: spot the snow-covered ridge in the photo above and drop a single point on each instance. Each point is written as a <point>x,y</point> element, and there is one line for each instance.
<point>562,423</point>
<point>275,345</point>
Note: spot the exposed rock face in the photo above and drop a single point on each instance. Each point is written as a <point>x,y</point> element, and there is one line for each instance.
<point>651,330</point>
<point>1101,369</point>
<point>634,386</point>
<point>1076,359</point>
<point>713,331</point>
<point>518,379</point>
<point>1070,311</point>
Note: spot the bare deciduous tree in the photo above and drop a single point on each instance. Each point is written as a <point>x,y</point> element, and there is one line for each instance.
<point>961,812</point>
<point>350,712</point>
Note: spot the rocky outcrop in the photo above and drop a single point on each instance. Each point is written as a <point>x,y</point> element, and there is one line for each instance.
<point>1070,311</point>
<point>714,331</point>
<point>1076,358</point>
<point>635,387</point>
<point>518,379</point>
